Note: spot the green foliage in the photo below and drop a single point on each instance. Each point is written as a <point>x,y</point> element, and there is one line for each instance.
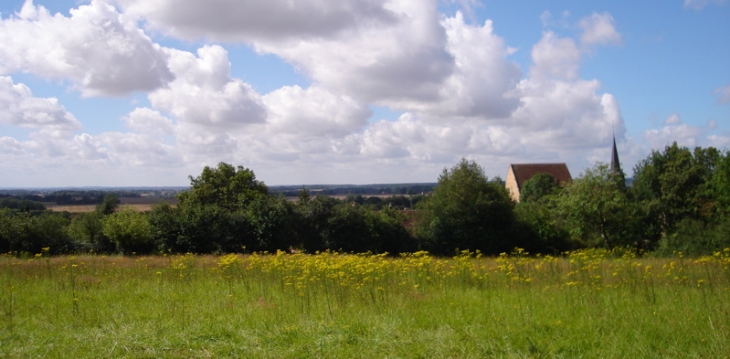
<point>21,204</point>
<point>597,210</point>
<point>694,237</point>
<point>466,211</point>
<point>129,229</point>
<point>537,187</point>
<point>24,232</point>
<point>196,229</point>
<point>673,185</point>
<point>226,186</point>
<point>540,230</point>
<point>720,184</point>
<point>108,205</point>
<point>86,227</point>
<point>312,221</point>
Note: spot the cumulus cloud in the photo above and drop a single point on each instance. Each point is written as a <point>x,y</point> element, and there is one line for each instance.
<point>145,120</point>
<point>136,149</point>
<point>482,77</point>
<point>555,57</point>
<point>314,111</point>
<point>204,93</point>
<point>683,134</point>
<point>100,50</point>
<point>386,65</point>
<point>599,29</point>
<point>460,93</point>
<point>700,4</point>
<point>273,20</point>
<point>18,107</point>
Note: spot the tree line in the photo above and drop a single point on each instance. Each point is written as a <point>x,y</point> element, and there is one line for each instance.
<point>679,201</point>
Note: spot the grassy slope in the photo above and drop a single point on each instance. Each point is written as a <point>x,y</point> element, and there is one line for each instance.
<point>364,307</point>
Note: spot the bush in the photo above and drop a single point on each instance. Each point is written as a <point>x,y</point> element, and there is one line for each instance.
<point>695,237</point>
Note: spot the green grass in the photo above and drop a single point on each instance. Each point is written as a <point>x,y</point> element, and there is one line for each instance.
<point>345,306</point>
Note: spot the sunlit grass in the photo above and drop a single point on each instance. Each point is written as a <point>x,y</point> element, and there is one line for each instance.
<point>585,304</point>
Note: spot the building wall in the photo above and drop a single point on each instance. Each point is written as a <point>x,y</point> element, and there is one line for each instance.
<point>511,185</point>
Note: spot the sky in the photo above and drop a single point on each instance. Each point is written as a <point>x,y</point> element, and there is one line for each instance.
<point>148,92</point>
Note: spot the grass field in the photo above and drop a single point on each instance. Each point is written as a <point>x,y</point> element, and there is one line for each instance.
<point>140,204</point>
<point>589,304</point>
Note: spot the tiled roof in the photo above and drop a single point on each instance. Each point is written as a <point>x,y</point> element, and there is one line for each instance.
<point>525,171</point>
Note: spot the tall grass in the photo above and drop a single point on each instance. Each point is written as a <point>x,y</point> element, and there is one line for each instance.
<point>586,304</point>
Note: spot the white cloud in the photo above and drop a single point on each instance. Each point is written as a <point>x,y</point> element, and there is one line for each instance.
<point>18,107</point>
<point>673,119</point>
<point>272,20</point>
<point>203,92</point>
<point>138,150</point>
<point>721,142</point>
<point>148,121</point>
<point>387,65</point>
<point>599,29</point>
<point>314,112</point>
<point>700,4</point>
<point>683,134</point>
<point>87,147</point>
<point>723,94</point>
<point>481,79</point>
<point>100,50</point>
<point>555,57</point>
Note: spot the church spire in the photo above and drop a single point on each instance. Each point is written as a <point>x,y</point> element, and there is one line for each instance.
<point>615,164</point>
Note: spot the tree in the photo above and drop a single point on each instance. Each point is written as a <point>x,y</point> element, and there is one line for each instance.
<point>466,211</point>
<point>674,185</point>
<point>108,205</point>
<point>129,229</point>
<point>596,209</point>
<point>537,187</point>
<point>226,186</point>
<point>721,184</point>
<point>87,231</point>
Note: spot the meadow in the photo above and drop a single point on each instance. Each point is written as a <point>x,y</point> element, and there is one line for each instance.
<point>584,304</point>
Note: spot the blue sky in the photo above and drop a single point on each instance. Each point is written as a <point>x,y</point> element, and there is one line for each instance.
<point>147,92</point>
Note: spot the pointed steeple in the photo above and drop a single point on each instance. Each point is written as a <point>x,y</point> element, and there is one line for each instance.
<point>615,164</point>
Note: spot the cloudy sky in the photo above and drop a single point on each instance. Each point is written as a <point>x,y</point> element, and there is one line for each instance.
<point>147,92</point>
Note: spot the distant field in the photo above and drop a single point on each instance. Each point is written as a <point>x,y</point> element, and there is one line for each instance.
<point>142,204</point>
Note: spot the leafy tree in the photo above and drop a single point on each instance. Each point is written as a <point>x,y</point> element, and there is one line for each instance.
<point>312,221</point>
<point>194,229</point>
<point>537,187</point>
<point>272,223</point>
<point>109,205</point>
<point>673,185</point>
<point>466,211</point>
<point>87,231</point>
<point>596,209</point>
<point>226,186</point>
<point>129,229</point>
<point>540,229</point>
<point>721,184</point>
<point>24,232</point>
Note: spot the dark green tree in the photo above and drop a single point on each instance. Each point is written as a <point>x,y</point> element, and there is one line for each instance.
<point>674,184</point>
<point>228,187</point>
<point>537,187</point>
<point>466,211</point>
<point>109,205</point>
<point>596,210</point>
